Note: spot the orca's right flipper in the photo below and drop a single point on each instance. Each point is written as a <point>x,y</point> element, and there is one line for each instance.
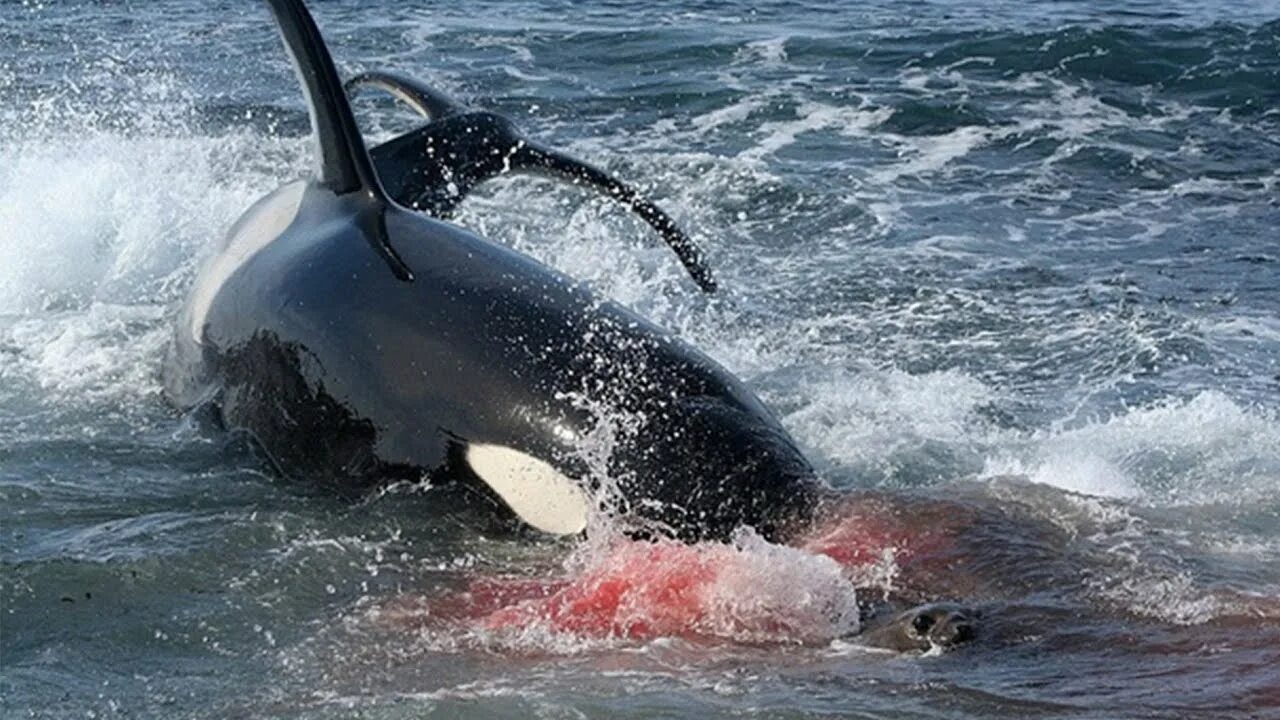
<point>537,158</point>
<point>433,168</point>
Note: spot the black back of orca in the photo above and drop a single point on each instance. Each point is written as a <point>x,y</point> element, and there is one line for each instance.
<point>358,341</point>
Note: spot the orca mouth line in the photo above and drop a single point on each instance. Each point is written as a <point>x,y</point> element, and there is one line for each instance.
<point>433,168</point>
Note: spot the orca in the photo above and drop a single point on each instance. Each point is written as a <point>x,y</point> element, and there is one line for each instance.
<point>359,342</point>
<point>433,168</point>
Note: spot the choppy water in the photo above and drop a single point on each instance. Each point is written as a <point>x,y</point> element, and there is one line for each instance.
<point>957,241</point>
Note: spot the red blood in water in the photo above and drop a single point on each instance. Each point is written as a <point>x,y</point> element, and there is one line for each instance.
<point>865,532</point>
<point>859,540</point>
<point>642,590</point>
<point>645,590</point>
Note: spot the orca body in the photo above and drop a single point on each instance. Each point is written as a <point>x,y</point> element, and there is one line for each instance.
<point>358,342</point>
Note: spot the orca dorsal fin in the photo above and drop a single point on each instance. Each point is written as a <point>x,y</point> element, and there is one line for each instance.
<point>345,166</point>
<point>344,162</point>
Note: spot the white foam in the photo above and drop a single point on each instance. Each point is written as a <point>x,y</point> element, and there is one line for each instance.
<point>814,116</point>
<point>1071,468</point>
<point>111,218</point>
<point>1206,449</point>
<point>100,233</point>
<point>930,153</point>
<point>732,113</point>
<point>770,52</point>
<point>867,418</point>
<point>105,350</point>
<point>1173,597</point>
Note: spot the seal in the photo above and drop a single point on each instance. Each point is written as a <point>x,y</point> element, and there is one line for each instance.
<point>358,342</point>
<point>930,627</point>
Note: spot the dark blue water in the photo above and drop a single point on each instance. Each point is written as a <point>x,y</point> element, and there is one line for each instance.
<point>958,242</point>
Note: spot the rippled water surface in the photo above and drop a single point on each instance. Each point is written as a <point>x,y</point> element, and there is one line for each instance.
<point>1021,257</point>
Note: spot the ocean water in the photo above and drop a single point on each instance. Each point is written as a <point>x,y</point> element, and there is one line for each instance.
<point>1026,255</point>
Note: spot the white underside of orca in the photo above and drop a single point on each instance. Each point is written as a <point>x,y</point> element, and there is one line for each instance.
<point>536,492</point>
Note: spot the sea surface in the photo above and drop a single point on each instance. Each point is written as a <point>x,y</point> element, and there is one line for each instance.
<point>1023,253</point>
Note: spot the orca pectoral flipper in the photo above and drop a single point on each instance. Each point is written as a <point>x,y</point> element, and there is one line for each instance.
<point>433,168</point>
<point>536,158</point>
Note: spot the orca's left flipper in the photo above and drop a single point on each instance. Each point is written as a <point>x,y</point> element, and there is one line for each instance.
<point>429,102</point>
<point>433,168</point>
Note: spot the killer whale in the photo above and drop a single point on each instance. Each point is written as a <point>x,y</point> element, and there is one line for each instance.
<point>433,168</point>
<point>358,341</point>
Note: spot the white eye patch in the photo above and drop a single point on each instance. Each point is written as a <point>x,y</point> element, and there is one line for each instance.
<point>535,491</point>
